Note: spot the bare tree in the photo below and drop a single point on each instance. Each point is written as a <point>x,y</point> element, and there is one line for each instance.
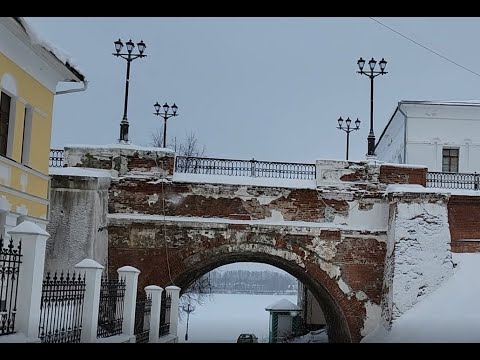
<point>198,292</point>
<point>188,147</point>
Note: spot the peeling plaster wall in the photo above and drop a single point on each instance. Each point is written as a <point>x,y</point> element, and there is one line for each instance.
<point>418,257</point>
<point>78,222</point>
<point>350,205</point>
<point>121,159</point>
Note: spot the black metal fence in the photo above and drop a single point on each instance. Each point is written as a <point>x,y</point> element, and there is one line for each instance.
<point>10,260</point>
<point>56,158</point>
<point>143,309</point>
<point>444,180</point>
<point>110,312</point>
<point>61,308</point>
<point>165,314</point>
<point>254,168</point>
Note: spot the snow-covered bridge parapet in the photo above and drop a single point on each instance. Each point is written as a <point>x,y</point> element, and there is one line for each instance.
<point>121,159</point>
<point>333,172</point>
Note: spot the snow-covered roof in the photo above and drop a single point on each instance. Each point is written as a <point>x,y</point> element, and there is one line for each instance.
<point>442,102</point>
<point>282,305</point>
<point>60,55</point>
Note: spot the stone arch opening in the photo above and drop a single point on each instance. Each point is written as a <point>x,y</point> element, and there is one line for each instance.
<point>338,329</point>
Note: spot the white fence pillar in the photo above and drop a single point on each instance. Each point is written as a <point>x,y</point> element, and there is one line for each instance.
<point>130,274</point>
<point>91,301</point>
<point>174,292</point>
<point>30,277</point>
<point>156,292</point>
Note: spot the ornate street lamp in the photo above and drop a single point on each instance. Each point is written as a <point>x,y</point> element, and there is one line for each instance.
<point>371,74</point>
<point>188,309</point>
<point>129,56</point>
<point>348,129</point>
<point>165,115</point>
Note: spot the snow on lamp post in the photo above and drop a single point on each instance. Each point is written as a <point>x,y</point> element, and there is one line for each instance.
<point>372,75</point>
<point>129,56</point>
<point>165,115</point>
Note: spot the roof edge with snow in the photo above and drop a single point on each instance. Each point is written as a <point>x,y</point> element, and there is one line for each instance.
<point>51,52</point>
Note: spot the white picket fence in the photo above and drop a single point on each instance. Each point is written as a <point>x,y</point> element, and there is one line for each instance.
<point>30,280</point>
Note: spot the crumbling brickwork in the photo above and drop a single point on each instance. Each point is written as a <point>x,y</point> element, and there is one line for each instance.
<point>463,217</point>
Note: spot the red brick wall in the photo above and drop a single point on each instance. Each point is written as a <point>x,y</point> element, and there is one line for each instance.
<point>403,175</point>
<point>192,253</point>
<point>207,200</point>
<point>464,221</point>
<point>459,246</point>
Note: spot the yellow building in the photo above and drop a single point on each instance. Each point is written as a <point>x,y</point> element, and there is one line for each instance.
<point>30,71</point>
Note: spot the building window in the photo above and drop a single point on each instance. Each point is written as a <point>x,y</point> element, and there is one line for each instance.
<point>5,102</point>
<point>27,134</point>
<point>450,160</point>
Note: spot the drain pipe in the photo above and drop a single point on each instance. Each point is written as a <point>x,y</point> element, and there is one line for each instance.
<point>85,85</point>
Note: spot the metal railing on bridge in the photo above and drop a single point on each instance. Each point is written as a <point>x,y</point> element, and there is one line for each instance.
<point>56,158</point>
<point>253,168</point>
<point>467,181</point>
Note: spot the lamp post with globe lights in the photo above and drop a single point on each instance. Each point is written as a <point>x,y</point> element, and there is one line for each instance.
<point>129,56</point>
<point>372,74</point>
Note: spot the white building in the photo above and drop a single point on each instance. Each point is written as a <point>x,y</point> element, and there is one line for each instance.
<point>442,135</point>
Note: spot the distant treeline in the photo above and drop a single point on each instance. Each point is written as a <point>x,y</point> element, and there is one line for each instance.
<point>244,281</point>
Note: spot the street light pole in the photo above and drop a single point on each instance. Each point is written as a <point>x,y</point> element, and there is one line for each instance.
<point>165,115</point>
<point>348,129</point>
<point>188,309</point>
<point>372,74</point>
<point>129,56</point>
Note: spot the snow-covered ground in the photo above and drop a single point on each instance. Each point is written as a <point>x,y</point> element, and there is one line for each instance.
<point>226,316</point>
<point>317,336</point>
<point>449,314</point>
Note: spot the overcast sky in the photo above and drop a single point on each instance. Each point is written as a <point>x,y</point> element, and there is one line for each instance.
<point>263,88</point>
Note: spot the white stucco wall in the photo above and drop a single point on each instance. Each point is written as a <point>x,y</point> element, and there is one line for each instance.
<point>391,146</point>
<point>418,258</point>
<point>429,128</point>
<point>78,220</point>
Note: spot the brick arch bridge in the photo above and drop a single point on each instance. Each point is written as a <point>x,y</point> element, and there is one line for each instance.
<point>306,253</point>
<point>341,233</point>
<point>317,283</point>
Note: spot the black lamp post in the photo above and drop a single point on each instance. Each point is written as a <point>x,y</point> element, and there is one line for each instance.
<point>129,56</point>
<point>348,129</point>
<point>188,309</point>
<point>165,115</point>
<point>372,74</point>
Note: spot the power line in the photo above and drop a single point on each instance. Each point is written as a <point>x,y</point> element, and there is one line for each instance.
<point>423,46</point>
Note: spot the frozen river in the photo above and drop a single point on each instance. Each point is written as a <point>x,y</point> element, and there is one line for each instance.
<point>225,316</point>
